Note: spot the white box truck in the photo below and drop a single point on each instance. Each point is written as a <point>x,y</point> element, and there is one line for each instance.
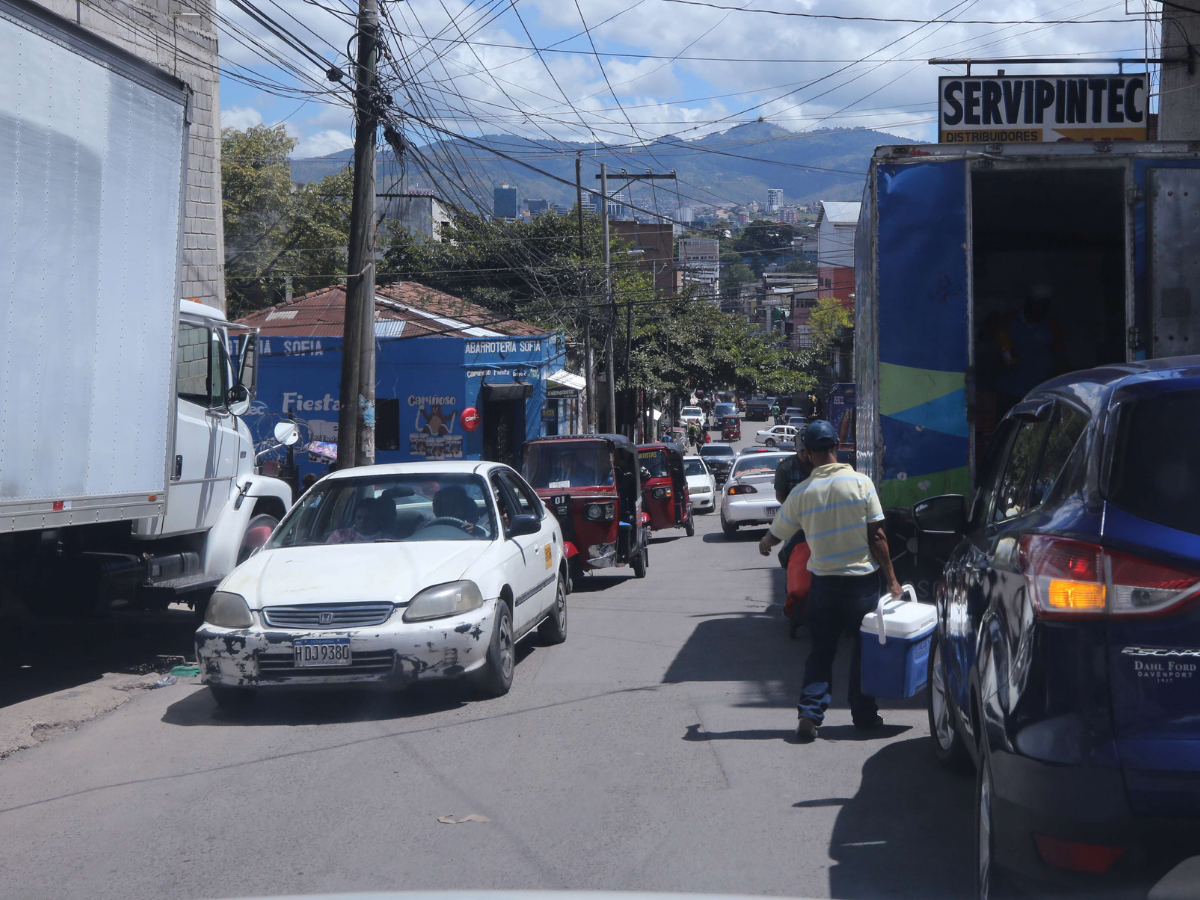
<point>125,472</point>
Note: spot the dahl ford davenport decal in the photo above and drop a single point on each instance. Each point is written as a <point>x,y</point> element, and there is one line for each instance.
<point>1163,665</point>
<point>433,425</point>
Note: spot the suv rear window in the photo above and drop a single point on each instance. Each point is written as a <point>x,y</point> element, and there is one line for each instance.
<point>1154,471</point>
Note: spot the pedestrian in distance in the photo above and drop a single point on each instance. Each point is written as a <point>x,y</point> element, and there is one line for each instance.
<point>775,412</point>
<point>842,519</point>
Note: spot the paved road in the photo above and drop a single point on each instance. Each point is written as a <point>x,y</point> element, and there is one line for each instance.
<point>650,751</point>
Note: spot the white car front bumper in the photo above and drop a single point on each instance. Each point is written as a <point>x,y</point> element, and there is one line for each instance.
<point>702,501</point>
<point>392,654</point>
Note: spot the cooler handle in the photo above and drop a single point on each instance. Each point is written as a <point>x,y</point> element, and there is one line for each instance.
<point>912,597</point>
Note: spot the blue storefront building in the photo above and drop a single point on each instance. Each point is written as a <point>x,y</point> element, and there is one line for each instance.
<point>451,381</point>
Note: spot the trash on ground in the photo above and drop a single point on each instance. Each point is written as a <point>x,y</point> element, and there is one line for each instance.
<point>473,817</point>
<point>185,671</point>
<point>167,681</point>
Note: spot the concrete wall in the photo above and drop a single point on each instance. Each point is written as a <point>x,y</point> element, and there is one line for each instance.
<point>1179,101</point>
<point>180,37</point>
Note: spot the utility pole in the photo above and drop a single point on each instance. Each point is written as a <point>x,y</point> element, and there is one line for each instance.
<point>356,412</point>
<point>589,369</point>
<point>608,291</point>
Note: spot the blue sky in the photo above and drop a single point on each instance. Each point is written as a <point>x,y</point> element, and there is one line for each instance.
<point>468,66</point>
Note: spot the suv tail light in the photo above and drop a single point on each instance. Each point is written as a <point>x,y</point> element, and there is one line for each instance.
<point>1071,579</point>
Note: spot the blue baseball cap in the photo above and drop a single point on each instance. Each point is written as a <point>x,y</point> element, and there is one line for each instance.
<point>819,435</point>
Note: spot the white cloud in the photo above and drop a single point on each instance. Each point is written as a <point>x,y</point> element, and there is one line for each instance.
<point>322,143</point>
<point>240,117</point>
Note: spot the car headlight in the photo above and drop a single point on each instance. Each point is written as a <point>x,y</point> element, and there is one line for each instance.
<point>594,512</point>
<point>227,610</point>
<point>660,492</point>
<point>444,600</point>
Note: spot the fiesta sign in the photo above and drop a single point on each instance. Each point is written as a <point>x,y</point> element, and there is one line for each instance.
<point>1005,110</point>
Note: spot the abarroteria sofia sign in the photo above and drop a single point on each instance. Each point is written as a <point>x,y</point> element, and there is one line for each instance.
<point>1009,109</point>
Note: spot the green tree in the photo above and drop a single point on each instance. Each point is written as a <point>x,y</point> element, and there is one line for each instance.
<point>273,230</point>
<point>737,275</point>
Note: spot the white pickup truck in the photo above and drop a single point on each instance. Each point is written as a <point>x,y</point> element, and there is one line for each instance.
<point>126,475</point>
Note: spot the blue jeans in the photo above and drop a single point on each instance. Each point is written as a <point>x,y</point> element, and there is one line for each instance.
<point>837,603</point>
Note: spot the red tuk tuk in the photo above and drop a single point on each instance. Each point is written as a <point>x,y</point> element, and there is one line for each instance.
<point>592,484</point>
<point>664,488</point>
<point>731,428</point>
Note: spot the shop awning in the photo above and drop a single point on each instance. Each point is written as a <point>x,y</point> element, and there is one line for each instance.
<point>564,385</point>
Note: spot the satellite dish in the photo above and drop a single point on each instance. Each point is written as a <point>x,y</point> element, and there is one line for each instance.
<point>287,433</point>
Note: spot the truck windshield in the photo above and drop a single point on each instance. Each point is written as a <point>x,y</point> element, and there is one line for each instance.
<point>427,506</point>
<point>568,464</point>
<point>1153,477</point>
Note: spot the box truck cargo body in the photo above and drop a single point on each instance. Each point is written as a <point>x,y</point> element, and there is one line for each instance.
<point>122,458</point>
<point>982,271</point>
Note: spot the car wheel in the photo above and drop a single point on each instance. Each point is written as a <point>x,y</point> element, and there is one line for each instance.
<point>232,698</point>
<point>640,562</point>
<point>990,881</point>
<point>497,674</point>
<point>253,538</point>
<point>770,442</point>
<point>729,528</point>
<point>554,629</point>
<point>689,527</point>
<point>948,744</point>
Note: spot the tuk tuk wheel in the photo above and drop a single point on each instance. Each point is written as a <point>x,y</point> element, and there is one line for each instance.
<point>690,525</point>
<point>641,561</point>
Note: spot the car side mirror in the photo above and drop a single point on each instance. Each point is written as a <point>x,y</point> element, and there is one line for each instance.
<point>237,400</point>
<point>945,514</point>
<point>524,525</point>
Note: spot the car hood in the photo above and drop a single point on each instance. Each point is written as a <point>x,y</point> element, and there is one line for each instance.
<point>391,572</point>
<point>695,481</point>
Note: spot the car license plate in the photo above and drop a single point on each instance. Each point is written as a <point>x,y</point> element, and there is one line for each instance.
<point>334,651</point>
<point>771,510</point>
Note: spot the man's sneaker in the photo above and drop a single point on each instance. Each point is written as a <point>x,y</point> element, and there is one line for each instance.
<point>869,724</point>
<point>806,731</point>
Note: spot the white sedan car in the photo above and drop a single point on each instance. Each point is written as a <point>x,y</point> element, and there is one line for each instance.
<point>749,497</point>
<point>691,414</point>
<point>773,435</point>
<point>383,575</point>
<point>702,484</point>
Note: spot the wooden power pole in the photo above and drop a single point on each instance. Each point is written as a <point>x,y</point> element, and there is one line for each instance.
<point>356,413</point>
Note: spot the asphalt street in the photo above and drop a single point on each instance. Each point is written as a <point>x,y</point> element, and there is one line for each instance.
<point>652,751</point>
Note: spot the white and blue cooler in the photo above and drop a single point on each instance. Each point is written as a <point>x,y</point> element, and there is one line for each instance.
<point>895,646</point>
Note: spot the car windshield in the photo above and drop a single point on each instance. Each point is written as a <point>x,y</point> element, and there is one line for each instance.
<point>724,409</point>
<point>694,466</point>
<point>1154,478</point>
<point>568,464</point>
<point>425,506</point>
<point>654,462</point>
<point>756,464</point>
<point>717,450</point>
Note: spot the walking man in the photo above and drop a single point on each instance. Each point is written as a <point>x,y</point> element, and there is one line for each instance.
<point>843,522</point>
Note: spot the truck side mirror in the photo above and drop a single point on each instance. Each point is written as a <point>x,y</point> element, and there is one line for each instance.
<point>944,515</point>
<point>247,375</point>
<point>237,400</point>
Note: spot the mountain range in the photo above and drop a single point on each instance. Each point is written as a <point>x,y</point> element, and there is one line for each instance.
<point>732,167</point>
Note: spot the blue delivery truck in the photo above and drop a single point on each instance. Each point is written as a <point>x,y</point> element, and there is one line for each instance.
<point>983,270</point>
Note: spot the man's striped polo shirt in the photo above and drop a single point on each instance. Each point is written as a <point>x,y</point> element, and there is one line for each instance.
<point>833,506</point>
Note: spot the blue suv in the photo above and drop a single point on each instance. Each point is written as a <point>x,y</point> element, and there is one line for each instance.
<point>1065,667</point>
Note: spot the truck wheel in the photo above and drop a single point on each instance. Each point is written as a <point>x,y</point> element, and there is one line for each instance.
<point>232,698</point>
<point>576,573</point>
<point>257,531</point>
<point>495,678</point>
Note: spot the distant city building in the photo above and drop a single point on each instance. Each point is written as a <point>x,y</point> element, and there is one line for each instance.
<point>417,210</point>
<point>787,215</point>
<point>657,242</point>
<point>700,262</point>
<point>837,223</point>
<point>560,210</point>
<point>687,214</point>
<point>617,204</point>
<point>774,199</point>
<point>537,206</point>
<point>504,202</point>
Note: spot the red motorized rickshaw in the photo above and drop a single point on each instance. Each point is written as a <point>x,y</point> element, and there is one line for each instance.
<point>664,488</point>
<point>592,484</point>
<point>731,428</point>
